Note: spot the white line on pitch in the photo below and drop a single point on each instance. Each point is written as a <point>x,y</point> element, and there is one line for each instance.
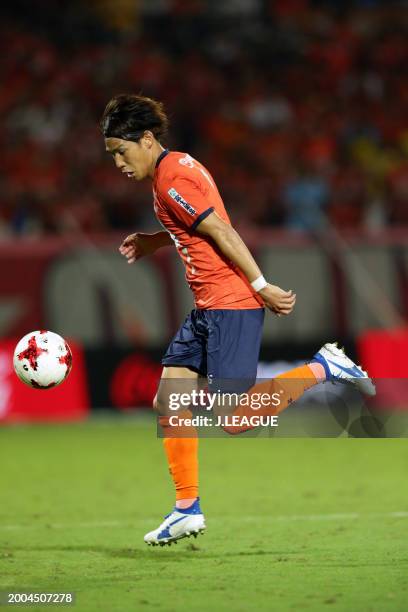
<point>145,521</point>
<point>97,524</point>
<point>329,517</point>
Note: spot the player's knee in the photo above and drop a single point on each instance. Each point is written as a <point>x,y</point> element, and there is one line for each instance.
<point>154,404</point>
<point>159,405</point>
<point>232,431</point>
<point>223,409</point>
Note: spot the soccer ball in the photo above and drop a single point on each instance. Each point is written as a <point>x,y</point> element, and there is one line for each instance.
<point>42,359</point>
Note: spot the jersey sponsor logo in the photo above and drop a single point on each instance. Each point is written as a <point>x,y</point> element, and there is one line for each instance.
<point>180,200</point>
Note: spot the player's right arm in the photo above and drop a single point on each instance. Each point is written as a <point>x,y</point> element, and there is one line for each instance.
<point>190,203</point>
<point>139,244</point>
<point>234,248</point>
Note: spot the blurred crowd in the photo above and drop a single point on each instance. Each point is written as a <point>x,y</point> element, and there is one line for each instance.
<point>297,108</point>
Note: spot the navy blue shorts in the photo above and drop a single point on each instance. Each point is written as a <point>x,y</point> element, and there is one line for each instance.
<point>220,344</point>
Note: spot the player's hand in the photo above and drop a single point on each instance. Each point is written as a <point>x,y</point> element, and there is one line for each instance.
<point>279,301</point>
<point>138,245</point>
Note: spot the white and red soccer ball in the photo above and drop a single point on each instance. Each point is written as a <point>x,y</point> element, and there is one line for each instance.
<point>42,359</point>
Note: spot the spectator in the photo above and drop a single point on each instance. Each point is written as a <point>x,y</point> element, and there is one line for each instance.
<point>300,115</point>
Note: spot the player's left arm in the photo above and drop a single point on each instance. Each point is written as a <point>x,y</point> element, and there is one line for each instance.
<point>234,248</point>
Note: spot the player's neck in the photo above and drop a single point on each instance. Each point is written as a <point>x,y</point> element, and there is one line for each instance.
<point>156,152</point>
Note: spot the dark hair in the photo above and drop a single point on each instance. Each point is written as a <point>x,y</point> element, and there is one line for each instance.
<point>128,116</point>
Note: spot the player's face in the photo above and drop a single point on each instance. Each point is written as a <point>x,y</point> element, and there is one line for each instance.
<point>133,158</point>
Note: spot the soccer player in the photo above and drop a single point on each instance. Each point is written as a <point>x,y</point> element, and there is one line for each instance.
<point>220,339</point>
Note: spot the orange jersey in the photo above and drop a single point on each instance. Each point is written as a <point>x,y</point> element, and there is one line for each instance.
<point>184,194</point>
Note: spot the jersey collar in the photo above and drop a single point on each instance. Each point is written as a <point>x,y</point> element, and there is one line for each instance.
<point>161,156</point>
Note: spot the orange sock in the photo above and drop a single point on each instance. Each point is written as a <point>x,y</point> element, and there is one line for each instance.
<point>181,447</point>
<point>288,387</point>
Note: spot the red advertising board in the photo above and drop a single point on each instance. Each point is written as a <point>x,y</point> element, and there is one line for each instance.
<point>20,403</point>
<point>384,353</point>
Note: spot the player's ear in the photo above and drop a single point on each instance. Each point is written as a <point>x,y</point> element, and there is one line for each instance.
<point>147,139</point>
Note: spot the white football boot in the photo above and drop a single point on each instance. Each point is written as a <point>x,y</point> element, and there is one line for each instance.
<point>339,367</point>
<point>177,525</point>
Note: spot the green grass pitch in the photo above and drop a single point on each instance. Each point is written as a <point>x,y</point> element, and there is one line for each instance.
<point>292,524</point>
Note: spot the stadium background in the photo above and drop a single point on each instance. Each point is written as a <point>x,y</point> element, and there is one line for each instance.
<point>298,108</point>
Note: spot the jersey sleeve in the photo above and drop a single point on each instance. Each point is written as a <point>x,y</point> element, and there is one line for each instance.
<point>186,200</point>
